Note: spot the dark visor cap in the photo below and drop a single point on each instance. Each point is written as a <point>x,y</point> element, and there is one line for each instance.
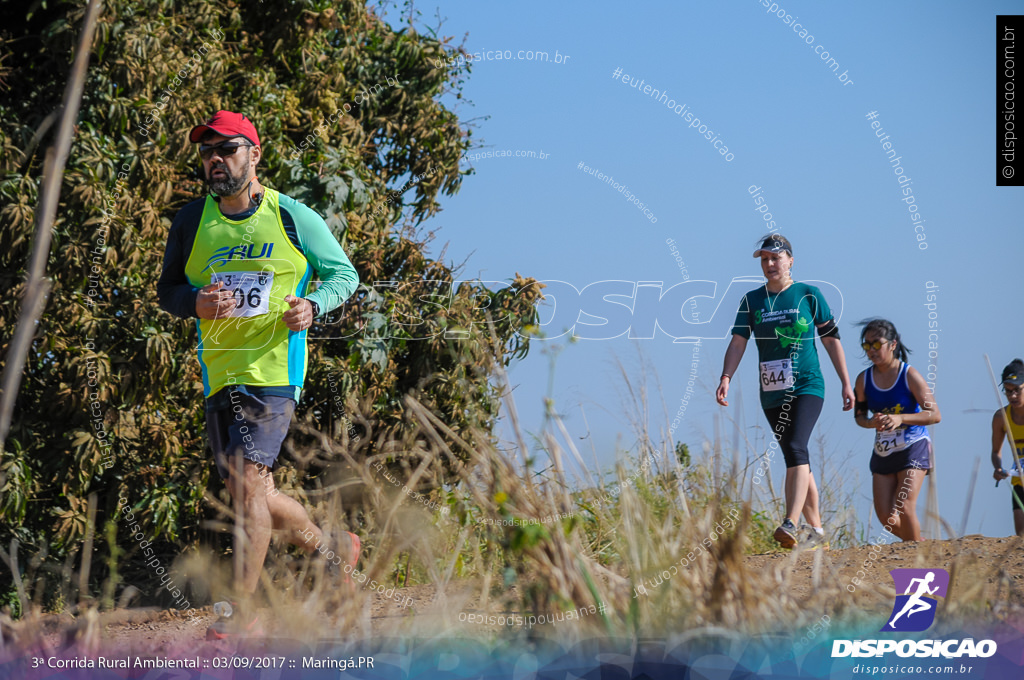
<point>773,245</point>
<point>1014,373</point>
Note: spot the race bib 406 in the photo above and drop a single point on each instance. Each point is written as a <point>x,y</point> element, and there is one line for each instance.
<point>251,291</point>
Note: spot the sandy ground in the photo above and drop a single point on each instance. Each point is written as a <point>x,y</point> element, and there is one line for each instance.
<point>987,578</point>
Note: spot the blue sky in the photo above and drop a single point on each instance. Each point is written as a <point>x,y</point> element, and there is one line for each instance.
<point>801,135</point>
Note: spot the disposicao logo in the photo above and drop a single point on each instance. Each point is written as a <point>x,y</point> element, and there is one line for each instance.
<point>913,612</point>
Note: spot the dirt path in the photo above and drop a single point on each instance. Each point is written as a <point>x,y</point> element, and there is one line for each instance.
<point>987,578</point>
<point>988,572</point>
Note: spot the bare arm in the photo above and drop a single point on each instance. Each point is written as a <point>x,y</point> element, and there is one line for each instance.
<point>835,353</point>
<point>860,415</point>
<point>998,437</point>
<point>737,346</point>
<point>929,414</point>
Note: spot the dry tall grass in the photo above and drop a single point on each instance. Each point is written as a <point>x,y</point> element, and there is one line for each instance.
<point>655,549</point>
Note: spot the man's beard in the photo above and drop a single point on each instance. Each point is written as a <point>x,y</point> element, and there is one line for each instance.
<point>225,186</point>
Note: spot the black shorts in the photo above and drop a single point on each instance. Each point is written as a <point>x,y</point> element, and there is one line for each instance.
<point>253,427</point>
<point>1019,490</point>
<point>917,455</point>
<point>791,423</point>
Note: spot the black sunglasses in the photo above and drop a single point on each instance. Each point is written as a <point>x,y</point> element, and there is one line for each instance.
<point>1010,391</point>
<point>224,149</point>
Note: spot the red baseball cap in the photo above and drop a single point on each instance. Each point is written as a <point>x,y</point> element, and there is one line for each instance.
<point>226,124</point>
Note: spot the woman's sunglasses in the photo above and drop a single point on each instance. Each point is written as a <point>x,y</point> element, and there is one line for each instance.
<point>224,149</point>
<point>876,345</point>
<point>1013,391</point>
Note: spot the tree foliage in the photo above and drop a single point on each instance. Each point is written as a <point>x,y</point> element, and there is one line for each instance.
<point>107,365</point>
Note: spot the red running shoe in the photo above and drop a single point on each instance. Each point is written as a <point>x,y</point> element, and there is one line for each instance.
<point>346,548</point>
<point>233,624</point>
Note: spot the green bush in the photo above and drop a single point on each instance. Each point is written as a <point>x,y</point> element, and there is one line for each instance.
<point>111,399</point>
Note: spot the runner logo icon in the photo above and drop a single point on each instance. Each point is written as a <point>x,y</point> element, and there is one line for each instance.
<point>914,610</point>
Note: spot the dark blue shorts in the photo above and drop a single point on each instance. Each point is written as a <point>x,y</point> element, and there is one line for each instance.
<point>1019,490</point>
<point>252,427</point>
<point>917,455</point>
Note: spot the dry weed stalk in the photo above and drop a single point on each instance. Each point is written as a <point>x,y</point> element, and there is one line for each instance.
<point>623,534</point>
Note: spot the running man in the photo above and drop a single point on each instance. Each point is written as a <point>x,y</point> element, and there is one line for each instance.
<point>915,603</point>
<point>783,315</point>
<point>902,405</point>
<point>1013,379</point>
<point>240,262</point>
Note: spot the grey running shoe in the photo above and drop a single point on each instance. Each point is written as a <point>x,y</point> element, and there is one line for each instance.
<point>785,535</point>
<point>811,539</point>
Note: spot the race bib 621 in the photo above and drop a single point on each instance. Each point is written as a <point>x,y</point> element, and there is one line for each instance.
<point>890,441</point>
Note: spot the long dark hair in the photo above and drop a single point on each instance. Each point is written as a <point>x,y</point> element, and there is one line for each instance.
<point>888,331</point>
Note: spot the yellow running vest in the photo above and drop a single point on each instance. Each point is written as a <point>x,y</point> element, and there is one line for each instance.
<point>259,265</point>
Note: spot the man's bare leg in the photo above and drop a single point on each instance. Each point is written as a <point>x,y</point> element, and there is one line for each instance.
<point>256,523</point>
<point>290,519</point>
<point>292,522</point>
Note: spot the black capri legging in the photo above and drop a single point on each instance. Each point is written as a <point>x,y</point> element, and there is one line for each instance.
<point>792,423</point>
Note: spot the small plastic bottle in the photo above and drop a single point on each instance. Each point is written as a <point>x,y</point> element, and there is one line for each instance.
<point>223,609</point>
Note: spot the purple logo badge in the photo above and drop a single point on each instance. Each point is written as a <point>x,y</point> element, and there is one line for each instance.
<point>914,610</point>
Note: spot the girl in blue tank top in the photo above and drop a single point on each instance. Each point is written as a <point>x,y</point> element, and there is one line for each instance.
<point>901,405</point>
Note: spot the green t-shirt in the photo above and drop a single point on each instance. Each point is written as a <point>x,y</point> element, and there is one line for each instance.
<point>784,326</point>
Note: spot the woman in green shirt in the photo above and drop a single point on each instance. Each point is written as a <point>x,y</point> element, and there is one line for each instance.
<point>783,315</point>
